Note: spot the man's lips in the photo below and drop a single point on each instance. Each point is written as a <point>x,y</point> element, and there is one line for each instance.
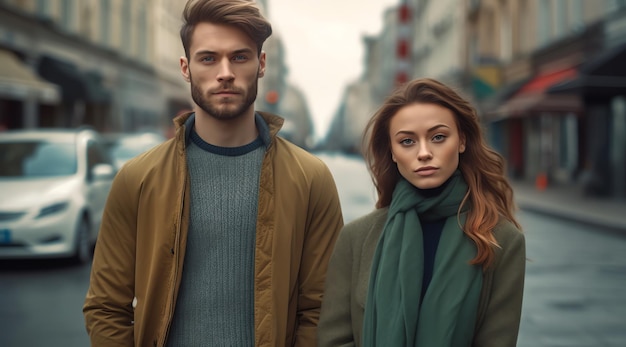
<point>225,92</point>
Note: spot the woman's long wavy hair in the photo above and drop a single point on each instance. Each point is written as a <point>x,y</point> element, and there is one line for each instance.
<point>490,194</point>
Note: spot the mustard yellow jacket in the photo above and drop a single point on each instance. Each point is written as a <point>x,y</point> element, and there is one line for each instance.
<point>141,245</point>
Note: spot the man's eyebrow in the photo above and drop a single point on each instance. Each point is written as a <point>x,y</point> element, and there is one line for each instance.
<point>237,51</point>
<point>203,52</point>
<point>243,50</point>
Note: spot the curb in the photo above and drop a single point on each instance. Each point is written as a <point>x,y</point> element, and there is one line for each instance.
<point>612,227</point>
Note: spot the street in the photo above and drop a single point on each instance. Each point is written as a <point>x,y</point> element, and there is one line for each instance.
<point>574,293</point>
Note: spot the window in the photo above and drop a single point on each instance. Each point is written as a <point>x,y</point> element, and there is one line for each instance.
<point>615,5</point>
<point>43,8</point>
<point>506,36</point>
<point>126,34</point>
<point>143,33</point>
<point>105,21</point>
<point>544,32</point>
<point>561,18</point>
<point>576,14</point>
<point>95,155</point>
<point>67,14</point>
<point>37,159</point>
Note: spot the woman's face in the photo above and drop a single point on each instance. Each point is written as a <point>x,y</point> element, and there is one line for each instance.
<point>425,144</point>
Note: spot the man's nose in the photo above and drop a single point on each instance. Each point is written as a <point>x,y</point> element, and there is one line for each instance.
<point>225,72</point>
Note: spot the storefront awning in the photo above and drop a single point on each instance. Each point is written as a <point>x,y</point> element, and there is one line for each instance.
<point>18,82</point>
<point>604,75</point>
<point>502,94</point>
<point>75,85</point>
<point>532,98</point>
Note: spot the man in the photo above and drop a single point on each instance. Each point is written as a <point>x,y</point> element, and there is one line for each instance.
<point>220,236</point>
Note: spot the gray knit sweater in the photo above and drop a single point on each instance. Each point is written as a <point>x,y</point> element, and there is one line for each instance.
<point>215,304</point>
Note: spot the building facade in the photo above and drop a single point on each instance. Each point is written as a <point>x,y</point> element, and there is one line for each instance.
<point>524,60</point>
<point>109,61</point>
<point>114,65</point>
<point>546,76</point>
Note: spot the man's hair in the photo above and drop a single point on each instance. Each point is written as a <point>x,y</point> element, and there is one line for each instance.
<point>241,14</point>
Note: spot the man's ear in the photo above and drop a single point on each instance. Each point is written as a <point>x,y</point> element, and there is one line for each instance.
<point>184,69</point>
<point>261,72</point>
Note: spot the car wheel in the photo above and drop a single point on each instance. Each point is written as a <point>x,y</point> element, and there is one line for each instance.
<point>82,251</point>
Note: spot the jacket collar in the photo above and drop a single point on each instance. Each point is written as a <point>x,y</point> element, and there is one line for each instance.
<point>268,125</point>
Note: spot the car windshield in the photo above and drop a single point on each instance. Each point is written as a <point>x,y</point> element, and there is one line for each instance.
<point>126,147</point>
<point>127,150</point>
<point>37,158</point>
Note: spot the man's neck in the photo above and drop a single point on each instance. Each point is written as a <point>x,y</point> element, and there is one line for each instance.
<point>226,133</point>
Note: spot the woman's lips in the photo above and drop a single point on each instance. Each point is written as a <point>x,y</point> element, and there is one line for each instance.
<point>426,171</point>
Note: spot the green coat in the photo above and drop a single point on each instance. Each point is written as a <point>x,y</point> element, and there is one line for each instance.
<point>347,280</point>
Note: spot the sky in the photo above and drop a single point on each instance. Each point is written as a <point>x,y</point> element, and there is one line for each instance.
<point>324,47</point>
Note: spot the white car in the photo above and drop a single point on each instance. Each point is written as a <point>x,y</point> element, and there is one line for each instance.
<point>125,146</point>
<point>53,188</point>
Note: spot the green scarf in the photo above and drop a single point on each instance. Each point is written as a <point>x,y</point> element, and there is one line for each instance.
<point>394,315</point>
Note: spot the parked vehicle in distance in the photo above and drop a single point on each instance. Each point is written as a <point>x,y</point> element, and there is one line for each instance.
<point>53,188</point>
<point>124,146</point>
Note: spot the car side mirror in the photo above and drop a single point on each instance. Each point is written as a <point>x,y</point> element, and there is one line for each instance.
<point>102,172</point>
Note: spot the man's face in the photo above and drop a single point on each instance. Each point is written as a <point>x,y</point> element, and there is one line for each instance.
<point>223,69</point>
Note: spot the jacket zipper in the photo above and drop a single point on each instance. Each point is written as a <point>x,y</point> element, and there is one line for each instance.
<point>176,261</point>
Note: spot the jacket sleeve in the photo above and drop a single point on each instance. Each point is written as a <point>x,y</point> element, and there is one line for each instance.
<point>501,318</point>
<point>324,221</point>
<point>335,327</point>
<point>108,305</point>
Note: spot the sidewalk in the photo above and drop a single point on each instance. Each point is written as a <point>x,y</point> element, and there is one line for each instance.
<point>569,202</point>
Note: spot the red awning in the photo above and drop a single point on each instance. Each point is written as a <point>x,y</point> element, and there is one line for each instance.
<point>533,99</point>
<point>544,81</point>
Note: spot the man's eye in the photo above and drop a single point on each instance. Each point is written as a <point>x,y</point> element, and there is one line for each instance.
<point>240,57</point>
<point>208,59</point>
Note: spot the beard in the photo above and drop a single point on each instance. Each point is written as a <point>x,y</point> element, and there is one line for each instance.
<point>228,109</point>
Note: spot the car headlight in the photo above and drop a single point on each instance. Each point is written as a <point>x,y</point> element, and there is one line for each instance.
<point>52,209</point>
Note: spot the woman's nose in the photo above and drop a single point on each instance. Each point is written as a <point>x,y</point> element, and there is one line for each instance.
<point>424,153</point>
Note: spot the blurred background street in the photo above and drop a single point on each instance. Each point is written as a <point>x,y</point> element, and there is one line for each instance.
<point>547,77</point>
<point>574,295</point>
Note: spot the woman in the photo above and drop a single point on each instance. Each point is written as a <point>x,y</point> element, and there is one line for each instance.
<point>441,260</point>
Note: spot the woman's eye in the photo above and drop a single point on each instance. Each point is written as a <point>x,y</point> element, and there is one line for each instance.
<point>407,142</point>
<point>439,138</point>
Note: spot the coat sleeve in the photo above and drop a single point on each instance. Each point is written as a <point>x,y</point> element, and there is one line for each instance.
<point>501,318</point>
<point>335,327</point>
<point>108,305</point>
<point>324,222</point>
